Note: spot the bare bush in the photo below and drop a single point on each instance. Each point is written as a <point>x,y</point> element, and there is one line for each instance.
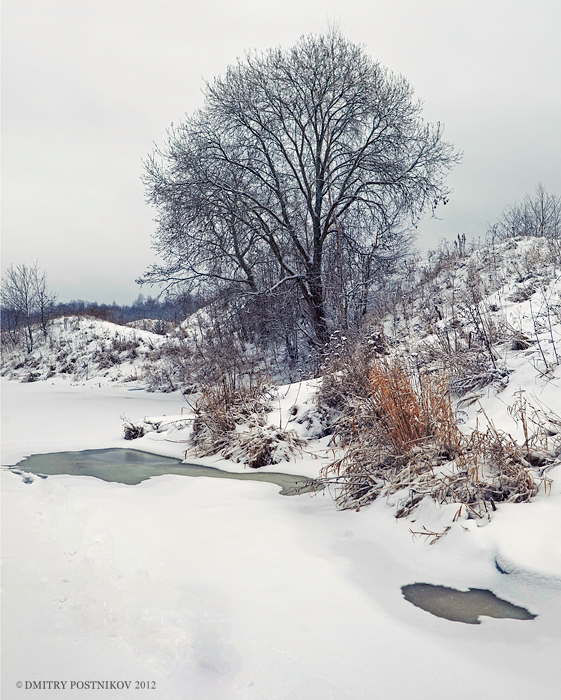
<point>538,215</point>
<point>212,349</point>
<point>263,445</point>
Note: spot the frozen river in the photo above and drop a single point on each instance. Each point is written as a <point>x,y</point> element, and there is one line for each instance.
<point>211,588</point>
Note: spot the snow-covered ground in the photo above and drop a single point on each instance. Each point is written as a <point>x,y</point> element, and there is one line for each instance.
<point>225,589</point>
<point>221,589</point>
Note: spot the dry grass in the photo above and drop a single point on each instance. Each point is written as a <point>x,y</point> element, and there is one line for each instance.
<point>232,422</point>
<point>405,440</point>
<point>263,445</point>
<point>410,414</point>
<point>132,431</point>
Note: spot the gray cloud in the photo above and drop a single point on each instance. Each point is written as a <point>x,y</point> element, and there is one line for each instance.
<point>89,86</point>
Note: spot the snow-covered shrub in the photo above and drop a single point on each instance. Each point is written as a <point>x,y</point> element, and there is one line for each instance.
<point>132,431</point>
<point>233,422</point>
<point>221,408</point>
<point>169,367</point>
<point>263,445</point>
<point>403,439</point>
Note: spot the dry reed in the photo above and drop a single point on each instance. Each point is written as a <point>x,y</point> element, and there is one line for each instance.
<point>222,410</point>
<point>404,440</point>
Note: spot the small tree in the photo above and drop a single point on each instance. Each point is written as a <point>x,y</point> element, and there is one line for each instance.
<point>537,215</point>
<point>304,173</point>
<point>26,301</point>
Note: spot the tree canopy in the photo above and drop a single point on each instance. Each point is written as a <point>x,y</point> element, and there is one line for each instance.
<point>304,173</point>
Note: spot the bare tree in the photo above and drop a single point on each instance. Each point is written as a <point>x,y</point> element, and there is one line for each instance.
<point>537,215</point>
<point>303,167</point>
<point>26,301</point>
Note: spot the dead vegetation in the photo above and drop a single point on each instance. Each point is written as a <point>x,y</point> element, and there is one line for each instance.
<point>231,421</point>
<point>132,431</point>
<point>401,437</point>
<point>453,311</point>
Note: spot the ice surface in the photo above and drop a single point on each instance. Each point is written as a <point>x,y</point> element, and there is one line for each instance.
<point>217,591</point>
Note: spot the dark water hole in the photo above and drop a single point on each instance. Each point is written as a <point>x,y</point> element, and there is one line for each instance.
<point>462,606</point>
<point>131,467</point>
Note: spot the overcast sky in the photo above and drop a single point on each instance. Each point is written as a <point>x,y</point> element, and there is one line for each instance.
<point>90,85</point>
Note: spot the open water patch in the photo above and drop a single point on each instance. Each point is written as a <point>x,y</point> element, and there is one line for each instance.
<point>462,606</point>
<point>131,467</point>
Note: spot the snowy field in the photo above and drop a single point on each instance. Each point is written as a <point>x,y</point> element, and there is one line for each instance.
<point>221,589</point>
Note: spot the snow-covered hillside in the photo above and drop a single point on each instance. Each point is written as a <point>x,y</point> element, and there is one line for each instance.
<point>209,588</point>
<point>79,348</point>
<point>488,322</point>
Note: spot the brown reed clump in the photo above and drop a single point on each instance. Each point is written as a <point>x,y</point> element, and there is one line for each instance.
<point>409,413</point>
<point>403,438</point>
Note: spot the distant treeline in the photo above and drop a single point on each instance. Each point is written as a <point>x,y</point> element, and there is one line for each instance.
<point>169,310</point>
<point>21,311</point>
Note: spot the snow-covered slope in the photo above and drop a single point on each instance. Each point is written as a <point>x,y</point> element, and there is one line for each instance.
<point>204,588</point>
<point>78,348</point>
